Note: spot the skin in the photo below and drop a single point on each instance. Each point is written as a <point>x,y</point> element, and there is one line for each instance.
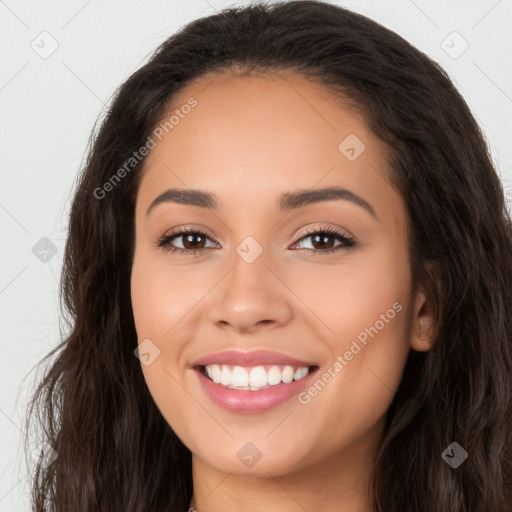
<point>247,141</point>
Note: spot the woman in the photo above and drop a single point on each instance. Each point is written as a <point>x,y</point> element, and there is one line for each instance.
<point>289,272</point>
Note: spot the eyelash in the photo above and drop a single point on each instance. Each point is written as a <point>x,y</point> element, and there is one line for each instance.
<point>347,242</point>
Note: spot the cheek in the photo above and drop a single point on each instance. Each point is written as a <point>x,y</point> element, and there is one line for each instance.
<point>157,309</point>
<point>161,294</point>
<point>165,300</point>
<point>362,315</point>
<point>148,301</point>
<point>367,292</point>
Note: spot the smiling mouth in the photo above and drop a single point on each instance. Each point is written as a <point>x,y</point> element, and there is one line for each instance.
<point>253,378</point>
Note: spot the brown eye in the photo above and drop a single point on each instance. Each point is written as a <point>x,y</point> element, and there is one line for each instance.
<point>323,241</point>
<point>193,241</point>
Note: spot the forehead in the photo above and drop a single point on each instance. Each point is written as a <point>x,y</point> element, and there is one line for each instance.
<point>255,136</point>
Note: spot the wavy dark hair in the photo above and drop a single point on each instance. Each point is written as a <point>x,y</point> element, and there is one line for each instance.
<point>115,451</point>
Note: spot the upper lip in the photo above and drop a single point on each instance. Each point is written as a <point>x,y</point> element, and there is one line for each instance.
<point>254,358</point>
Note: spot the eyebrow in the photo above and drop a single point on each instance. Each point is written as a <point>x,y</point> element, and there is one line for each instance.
<point>288,201</point>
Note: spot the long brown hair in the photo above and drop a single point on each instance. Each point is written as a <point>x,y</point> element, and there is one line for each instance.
<point>114,449</point>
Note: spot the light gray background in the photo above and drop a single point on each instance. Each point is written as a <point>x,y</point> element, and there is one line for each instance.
<point>49,106</point>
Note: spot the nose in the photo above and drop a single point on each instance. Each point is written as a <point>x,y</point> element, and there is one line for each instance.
<point>250,297</point>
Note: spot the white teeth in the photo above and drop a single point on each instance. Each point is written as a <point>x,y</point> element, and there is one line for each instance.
<point>225,376</point>
<point>239,377</point>
<point>258,377</point>
<point>215,373</point>
<point>274,376</point>
<point>287,374</point>
<point>299,373</point>
<point>254,378</point>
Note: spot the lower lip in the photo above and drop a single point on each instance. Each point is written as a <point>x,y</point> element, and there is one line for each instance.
<point>244,401</point>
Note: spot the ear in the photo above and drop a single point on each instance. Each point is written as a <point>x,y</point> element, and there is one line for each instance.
<point>423,331</point>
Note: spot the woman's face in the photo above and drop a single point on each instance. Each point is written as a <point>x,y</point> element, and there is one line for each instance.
<point>338,303</point>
